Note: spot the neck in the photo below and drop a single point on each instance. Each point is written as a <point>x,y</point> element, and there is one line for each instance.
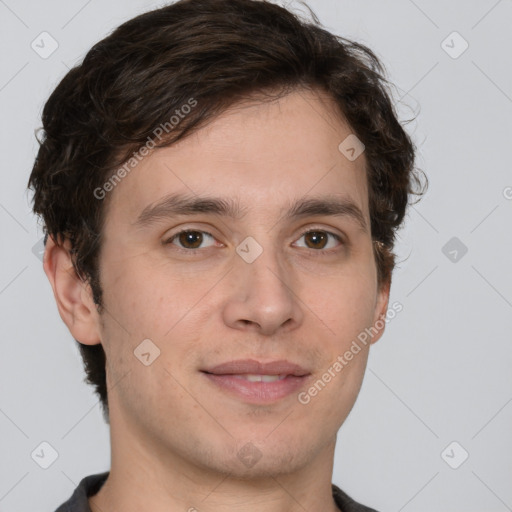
<point>146,476</point>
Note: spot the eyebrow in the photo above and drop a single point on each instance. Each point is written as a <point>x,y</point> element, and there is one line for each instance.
<point>173,205</point>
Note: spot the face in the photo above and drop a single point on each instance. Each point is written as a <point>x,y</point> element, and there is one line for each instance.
<point>255,281</point>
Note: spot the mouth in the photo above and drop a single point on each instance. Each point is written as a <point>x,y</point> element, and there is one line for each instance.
<point>256,378</point>
<point>256,382</point>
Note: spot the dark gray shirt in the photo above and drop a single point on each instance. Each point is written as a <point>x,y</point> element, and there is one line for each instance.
<point>91,484</point>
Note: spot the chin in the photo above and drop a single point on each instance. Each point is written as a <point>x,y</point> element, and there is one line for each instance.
<point>246,459</point>
<point>269,466</point>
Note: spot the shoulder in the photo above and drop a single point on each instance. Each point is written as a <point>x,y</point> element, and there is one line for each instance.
<point>346,504</point>
<point>87,487</point>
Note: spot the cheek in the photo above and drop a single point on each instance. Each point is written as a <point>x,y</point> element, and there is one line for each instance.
<point>347,306</point>
<point>348,311</point>
<point>144,303</point>
<point>148,300</point>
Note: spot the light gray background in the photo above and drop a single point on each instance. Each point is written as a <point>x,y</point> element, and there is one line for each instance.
<point>441,373</point>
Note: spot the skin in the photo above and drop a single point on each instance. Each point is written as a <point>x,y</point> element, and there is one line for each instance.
<point>174,435</point>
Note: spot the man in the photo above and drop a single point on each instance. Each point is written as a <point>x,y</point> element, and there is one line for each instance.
<point>220,184</point>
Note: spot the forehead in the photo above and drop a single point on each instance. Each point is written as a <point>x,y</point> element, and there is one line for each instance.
<point>264,155</point>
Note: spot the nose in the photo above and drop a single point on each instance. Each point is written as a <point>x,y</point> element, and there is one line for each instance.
<point>263,297</point>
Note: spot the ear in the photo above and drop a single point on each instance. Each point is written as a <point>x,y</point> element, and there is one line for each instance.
<point>73,296</point>
<point>381,308</point>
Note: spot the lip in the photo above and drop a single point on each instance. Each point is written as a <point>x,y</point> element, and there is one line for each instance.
<point>251,366</point>
<point>226,377</point>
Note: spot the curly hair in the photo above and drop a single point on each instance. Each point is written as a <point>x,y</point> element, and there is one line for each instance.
<point>218,52</point>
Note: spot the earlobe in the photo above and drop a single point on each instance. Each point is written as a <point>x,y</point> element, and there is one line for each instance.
<point>381,308</point>
<point>72,295</point>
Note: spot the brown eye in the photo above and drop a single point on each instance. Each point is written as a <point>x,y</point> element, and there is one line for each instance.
<point>316,239</point>
<point>319,239</point>
<point>189,239</point>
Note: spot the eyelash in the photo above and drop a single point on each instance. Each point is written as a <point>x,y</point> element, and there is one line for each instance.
<point>316,252</point>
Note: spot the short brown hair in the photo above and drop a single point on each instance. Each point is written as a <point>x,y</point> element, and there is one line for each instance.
<point>218,52</point>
